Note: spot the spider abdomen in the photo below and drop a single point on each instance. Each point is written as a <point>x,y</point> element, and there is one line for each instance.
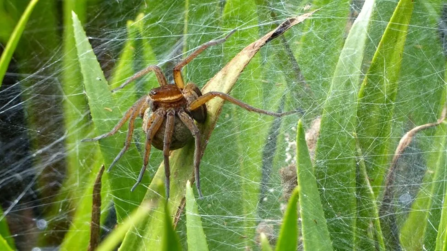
<point>180,137</point>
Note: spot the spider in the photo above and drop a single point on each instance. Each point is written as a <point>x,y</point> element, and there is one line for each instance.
<point>170,113</point>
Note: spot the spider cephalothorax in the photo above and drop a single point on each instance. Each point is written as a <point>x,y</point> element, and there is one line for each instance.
<point>170,113</point>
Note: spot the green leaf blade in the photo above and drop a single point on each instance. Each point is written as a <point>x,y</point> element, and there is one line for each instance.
<point>376,106</point>
<point>336,167</point>
<point>288,236</point>
<point>378,92</point>
<point>196,238</point>
<point>4,245</point>
<point>441,240</point>
<point>5,234</point>
<point>265,245</point>
<point>14,39</point>
<point>105,115</point>
<point>170,241</point>
<point>314,227</point>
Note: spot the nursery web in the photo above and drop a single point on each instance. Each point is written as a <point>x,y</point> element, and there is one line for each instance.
<point>248,168</point>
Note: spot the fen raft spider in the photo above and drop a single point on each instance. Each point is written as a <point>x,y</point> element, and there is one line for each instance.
<point>169,113</point>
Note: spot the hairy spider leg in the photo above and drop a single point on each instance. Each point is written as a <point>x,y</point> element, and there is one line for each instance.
<point>178,79</point>
<point>130,130</point>
<point>127,115</point>
<point>127,142</point>
<point>169,130</point>
<point>189,122</point>
<point>132,113</point>
<point>210,95</point>
<point>158,120</point>
<point>158,73</point>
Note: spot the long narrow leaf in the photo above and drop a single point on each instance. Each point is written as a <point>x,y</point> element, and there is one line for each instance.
<point>376,105</point>
<point>105,115</point>
<point>378,93</point>
<point>14,39</point>
<point>170,241</point>
<point>314,226</point>
<point>336,145</point>
<point>441,240</point>
<point>288,236</point>
<point>369,233</point>
<point>265,246</point>
<point>135,219</point>
<point>4,230</point>
<point>196,238</point>
<point>4,245</point>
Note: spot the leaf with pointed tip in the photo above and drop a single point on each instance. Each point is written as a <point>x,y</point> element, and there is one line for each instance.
<point>105,114</point>
<point>196,238</point>
<point>288,236</point>
<point>6,56</point>
<point>314,227</point>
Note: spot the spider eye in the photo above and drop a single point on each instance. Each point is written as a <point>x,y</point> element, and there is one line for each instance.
<point>153,92</point>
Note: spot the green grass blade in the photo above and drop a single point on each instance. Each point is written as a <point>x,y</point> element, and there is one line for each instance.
<point>196,238</point>
<point>4,245</point>
<point>4,230</point>
<point>105,115</point>
<point>314,227</point>
<point>378,93</point>
<point>135,222</point>
<point>441,240</point>
<point>79,157</point>
<point>265,246</point>
<point>377,99</point>
<point>117,235</point>
<point>14,40</point>
<point>170,240</point>
<point>288,235</point>
<point>369,233</point>
<point>336,144</point>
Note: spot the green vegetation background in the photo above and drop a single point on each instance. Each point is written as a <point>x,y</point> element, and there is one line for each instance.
<point>370,82</point>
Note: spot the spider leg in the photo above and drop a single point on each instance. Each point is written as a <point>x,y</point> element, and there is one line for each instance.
<point>133,111</point>
<point>189,122</point>
<point>210,95</point>
<point>170,119</point>
<point>158,73</point>
<point>178,79</point>
<point>129,135</point>
<point>156,123</point>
